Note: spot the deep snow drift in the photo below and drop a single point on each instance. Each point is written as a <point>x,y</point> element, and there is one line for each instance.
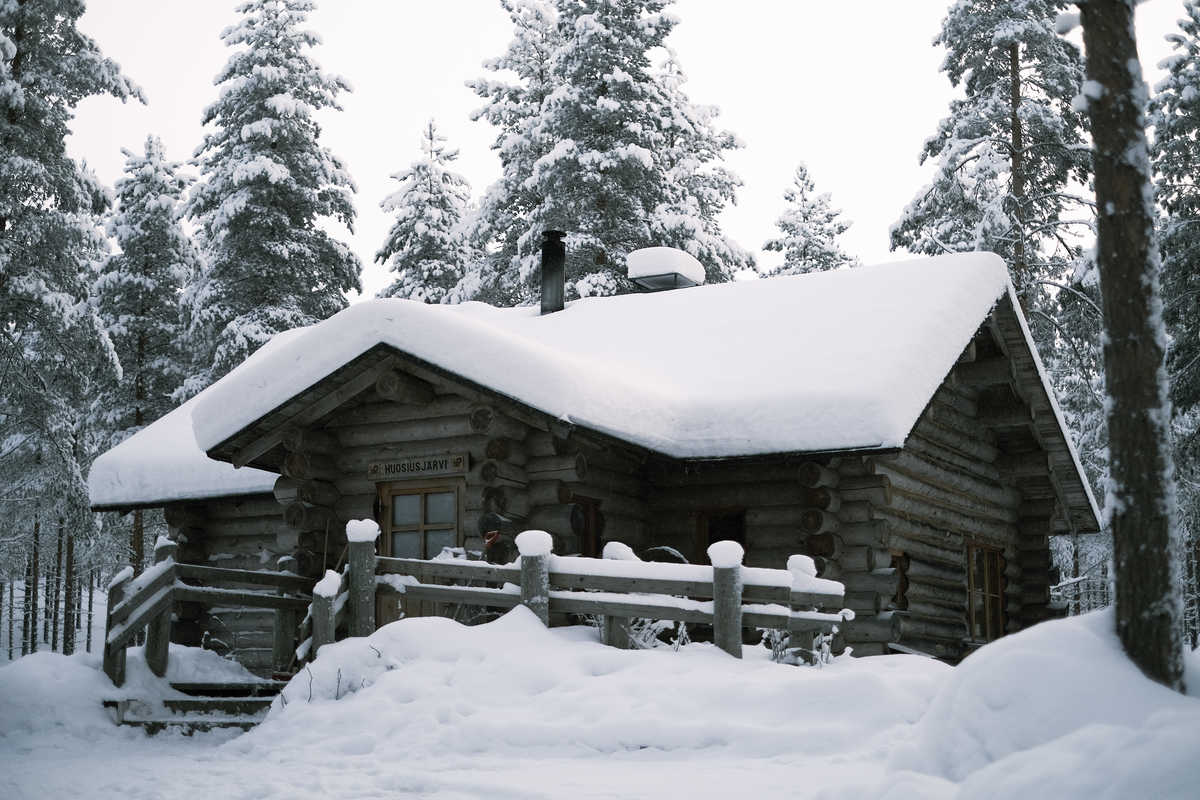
<point>511,709</point>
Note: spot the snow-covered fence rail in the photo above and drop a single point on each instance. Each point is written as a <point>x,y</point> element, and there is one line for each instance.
<point>145,602</point>
<point>726,595</point>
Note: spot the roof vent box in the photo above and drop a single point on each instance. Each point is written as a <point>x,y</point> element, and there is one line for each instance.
<point>657,268</point>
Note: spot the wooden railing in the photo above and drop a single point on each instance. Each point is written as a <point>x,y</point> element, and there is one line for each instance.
<point>145,602</point>
<point>727,597</point>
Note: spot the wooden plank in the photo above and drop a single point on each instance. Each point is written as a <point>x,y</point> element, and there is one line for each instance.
<point>150,607</point>
<point>452,570</point>
<point>258,447</point>
<point>585,603</point>
<point>470,595</point>
<point>236,597</point>
<point>277,579</point>
<point>132,602</point>
<point>804,622</point>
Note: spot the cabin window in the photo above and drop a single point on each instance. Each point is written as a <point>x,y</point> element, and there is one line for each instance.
<point>985,593</point>
<point>718,526</point>
<point>421,520</point>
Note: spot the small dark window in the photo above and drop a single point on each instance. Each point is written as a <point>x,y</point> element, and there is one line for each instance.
<point>718,526</point>
<point>601,259</point>
<point>985,593</point>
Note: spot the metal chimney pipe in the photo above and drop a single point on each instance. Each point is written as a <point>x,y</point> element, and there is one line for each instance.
<point>554,268</point>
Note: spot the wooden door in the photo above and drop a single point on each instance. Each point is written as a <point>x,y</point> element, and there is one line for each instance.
<point>418,520</point>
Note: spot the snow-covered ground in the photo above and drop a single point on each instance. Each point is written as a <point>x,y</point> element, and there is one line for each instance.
<point>431,708</point>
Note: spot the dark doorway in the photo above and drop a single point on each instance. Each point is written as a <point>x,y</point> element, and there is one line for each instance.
<point>718,526</point>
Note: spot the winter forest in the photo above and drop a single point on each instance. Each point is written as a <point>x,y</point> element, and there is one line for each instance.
<point>123,297</point>
<point>119,302</point>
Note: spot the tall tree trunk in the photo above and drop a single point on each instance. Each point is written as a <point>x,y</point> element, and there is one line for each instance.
<point>91,605</point>
<point>69,593</point>
<point>1020,259</point>
<point>137,543</point>
<point>25,607</point>
<point>57,589</point>
<point>138,533</point>
<point>46,595</point>
<point>32,589</point>
<point>1142,498</point>
<point>11,614</point>
<point>1075,574</point>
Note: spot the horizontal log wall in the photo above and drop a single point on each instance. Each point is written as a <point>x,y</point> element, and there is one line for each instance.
<point>769,494</point>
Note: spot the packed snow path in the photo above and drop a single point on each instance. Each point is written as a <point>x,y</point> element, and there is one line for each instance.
<point>506,710</point>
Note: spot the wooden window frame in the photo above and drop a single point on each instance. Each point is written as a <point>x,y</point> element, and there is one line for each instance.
<point>991,615</point>
<point>387,491</point>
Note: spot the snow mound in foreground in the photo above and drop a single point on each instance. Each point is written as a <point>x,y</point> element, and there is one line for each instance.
<point>44,692</point>
<point>1059,711</point>
<point>433,688</point>
<point>49,693</point>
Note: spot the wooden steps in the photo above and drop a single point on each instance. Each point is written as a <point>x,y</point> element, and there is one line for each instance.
<point>209,706</point>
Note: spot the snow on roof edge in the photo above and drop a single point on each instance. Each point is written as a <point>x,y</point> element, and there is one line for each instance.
<point>1048,388</point>
<point>162,464</point>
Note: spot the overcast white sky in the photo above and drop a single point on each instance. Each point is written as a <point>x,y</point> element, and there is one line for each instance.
<point>852,88</point>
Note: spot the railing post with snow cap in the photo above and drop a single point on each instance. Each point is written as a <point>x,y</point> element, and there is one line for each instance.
<point>614,631</point>
<point>323,624</point>
<point>285,623</point>
<point>802,568</point>
<point>535,548</point>
<point>726,558</point>
<point>114,657</point>
<point>360,537</point>
<point>158,632</point>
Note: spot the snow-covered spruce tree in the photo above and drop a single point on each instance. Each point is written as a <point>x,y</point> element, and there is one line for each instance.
<point>138,297</point>
<point>426,246</point>
<point>512,107</point>
<point>1175,116</point>
<point>1141,496</point>
<point>697,184</point>
<point>809,229</point>
<point>266,186</point>
<point>597,128</point>
<point>1011,148</point>
<point>615,154</point>
<point>53,346</point>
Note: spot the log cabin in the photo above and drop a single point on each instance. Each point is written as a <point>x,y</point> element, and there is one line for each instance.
<point>894,422</point>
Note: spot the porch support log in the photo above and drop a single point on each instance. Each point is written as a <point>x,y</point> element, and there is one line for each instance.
<point>114,656</point>
<point>284,626</point>
<point>158,632</point>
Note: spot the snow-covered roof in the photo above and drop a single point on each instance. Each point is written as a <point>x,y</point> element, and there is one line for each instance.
<point>162,463</point>
<point>833,361</point>
<point>842,360</point>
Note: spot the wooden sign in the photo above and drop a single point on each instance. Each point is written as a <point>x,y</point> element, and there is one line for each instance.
<point>424,466</point>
